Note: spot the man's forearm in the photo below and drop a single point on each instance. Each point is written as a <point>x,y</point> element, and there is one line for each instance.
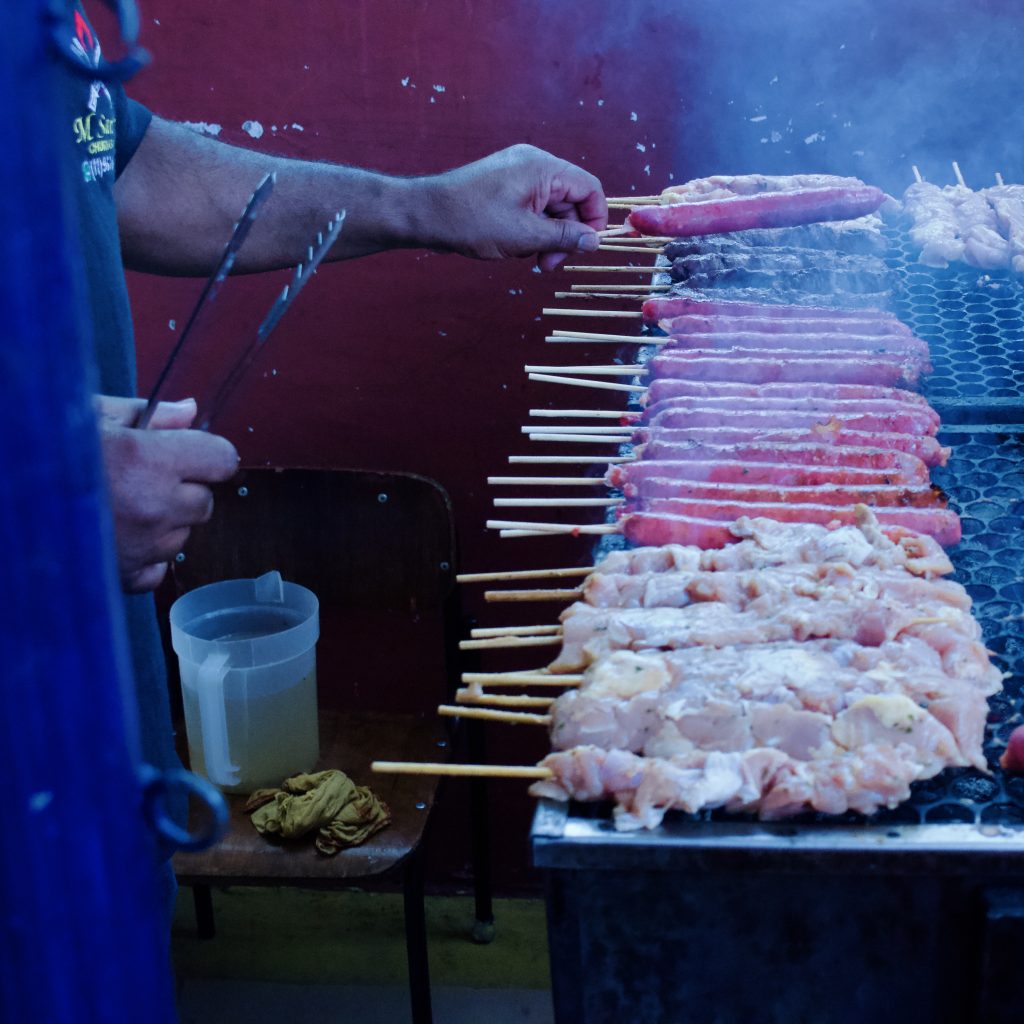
<point>181,193</point>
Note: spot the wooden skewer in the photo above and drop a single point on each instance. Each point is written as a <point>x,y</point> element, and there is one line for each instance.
<point>927,620</point>
<point>481,771</point>
<point>538,677</point>
<point>503,534</point>
<point>485,632</point>
<point>584,438</point>
<point>598,336</point>
<point>497,577</point>
<point>523,574</point>
<point>612,370</point>
<point>631,199</point>
<point>498,596</point>
<point>465,695</point>
<point>655,241</point>
<point>617,287</point>
<point>493,715</point>
<point>617,231</point>
<point>647,241</point>
<point>609,247</point>
<point>622,314</point>
<point>622,340</point>
<point>959,177</point>
<point>508,641</point>
<point>547,681</point>
<point>575,528</point>
<point>603,385</point>
<point>917,174</point>
<point>544,481</point>
<point>558,502</point>
<point>999,179</point>
<point>533,428</point>
<point>582,460</point>
<point>596,414</point>
<point>604,295</point>
<point>597,268</point>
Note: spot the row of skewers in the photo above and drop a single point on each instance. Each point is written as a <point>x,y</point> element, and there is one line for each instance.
<point>774,644</point>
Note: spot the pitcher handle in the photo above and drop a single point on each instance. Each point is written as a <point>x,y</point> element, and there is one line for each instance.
<point>213,715</point>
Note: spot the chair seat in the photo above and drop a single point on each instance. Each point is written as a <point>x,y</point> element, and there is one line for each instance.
<point>349,741</point>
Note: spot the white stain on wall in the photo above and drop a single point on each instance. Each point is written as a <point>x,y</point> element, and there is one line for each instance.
<point>203,127</point>
<point>253,128</point>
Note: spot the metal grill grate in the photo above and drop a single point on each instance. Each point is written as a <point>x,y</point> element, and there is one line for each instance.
<point>985,481</point>
<point>974,323</point>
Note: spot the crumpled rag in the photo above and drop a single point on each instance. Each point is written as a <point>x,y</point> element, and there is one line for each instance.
<point>344,813</point>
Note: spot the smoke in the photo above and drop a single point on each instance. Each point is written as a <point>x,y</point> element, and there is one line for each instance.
<point>863,87</point>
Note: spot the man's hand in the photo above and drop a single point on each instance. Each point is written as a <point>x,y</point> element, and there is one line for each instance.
<point>158,482</point>
<point>521,201</point>
<point>518,202</point>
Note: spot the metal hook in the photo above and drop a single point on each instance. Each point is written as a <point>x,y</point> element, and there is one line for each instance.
<point>156,785</point>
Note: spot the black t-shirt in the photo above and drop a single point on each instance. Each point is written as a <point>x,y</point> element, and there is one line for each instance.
<point>99,131</point>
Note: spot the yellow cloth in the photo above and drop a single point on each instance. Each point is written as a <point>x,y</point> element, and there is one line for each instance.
<point>345,814</point>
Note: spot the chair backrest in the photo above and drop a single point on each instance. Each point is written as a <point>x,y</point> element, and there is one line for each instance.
<point>378,549</point>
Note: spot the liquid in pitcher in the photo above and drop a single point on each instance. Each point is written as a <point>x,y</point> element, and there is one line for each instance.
<point>270,736</point>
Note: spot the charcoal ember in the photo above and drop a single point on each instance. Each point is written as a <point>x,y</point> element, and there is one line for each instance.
<point>972,785</point>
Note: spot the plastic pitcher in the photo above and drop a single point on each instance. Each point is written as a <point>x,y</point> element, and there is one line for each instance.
<point>247,653</point>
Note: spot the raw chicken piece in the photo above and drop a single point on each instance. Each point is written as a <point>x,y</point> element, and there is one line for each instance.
<point>592,633</point>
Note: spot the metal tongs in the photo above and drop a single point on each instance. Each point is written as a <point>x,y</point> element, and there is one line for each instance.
<point>210,289</point>
<point>303,272</point>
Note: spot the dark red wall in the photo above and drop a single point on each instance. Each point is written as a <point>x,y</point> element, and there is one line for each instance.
<point>410,360</point>
<point>413,361</point>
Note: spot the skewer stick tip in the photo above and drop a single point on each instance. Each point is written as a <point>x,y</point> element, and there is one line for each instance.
<point>489,771</point>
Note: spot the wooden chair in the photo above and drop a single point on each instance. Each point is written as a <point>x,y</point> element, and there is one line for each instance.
<point>378,550</point>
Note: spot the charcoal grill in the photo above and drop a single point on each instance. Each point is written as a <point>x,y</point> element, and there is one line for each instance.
<point>915,915</point>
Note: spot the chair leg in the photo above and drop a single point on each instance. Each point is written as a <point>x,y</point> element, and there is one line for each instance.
<point>416,939</point>
<point>479,823</point>
<point>202,899</point>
